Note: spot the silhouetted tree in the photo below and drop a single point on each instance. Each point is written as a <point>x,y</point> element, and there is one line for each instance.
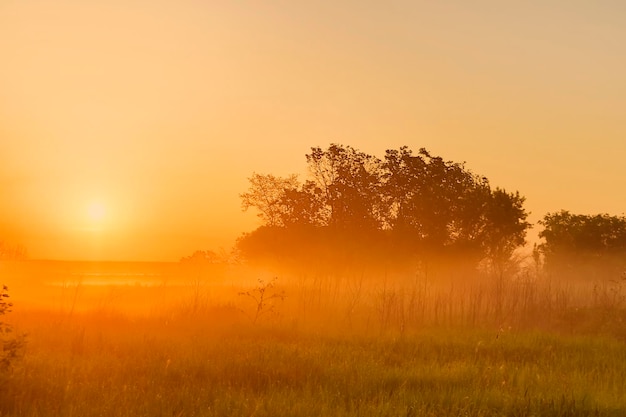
<point>504,228</point>
<point>357,208</point>
<point>584,246</point>
<point>349,181</point>
<point>438,206</point>
<point>304,206</point>
<point>426,196</point>
<point>286,246</point>
<point>202,257</point>
<point>266,193</point>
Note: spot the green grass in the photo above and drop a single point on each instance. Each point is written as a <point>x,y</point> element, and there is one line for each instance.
<point>348,347</point>
<point>108,365</point>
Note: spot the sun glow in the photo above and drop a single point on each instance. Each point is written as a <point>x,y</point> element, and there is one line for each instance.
<point>96,214</point>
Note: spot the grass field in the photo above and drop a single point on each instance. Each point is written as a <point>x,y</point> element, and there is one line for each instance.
<point>336,351</point>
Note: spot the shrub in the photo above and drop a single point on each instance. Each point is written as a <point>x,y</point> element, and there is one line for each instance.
<point>11,346</point>
<point>264,296</point>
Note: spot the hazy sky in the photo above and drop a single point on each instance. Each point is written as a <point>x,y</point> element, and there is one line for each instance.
<point>128,128</point>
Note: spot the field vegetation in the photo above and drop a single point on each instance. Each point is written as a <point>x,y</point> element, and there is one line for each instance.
<point>345,347</point>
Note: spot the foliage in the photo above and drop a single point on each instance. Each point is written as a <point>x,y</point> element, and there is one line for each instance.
<point>428,196</point>
<point>415,206</point>
<point>5,307</point>
<point>266,194</point>
<point>589,246</point>
<point>303,206</point>
<point>504,226</point>
<point>202,257</point>
<point>442,206</point>
<point>264,296</point>
<point>349,181</point>
<point>10,346</point>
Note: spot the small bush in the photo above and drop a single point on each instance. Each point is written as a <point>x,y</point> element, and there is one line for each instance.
<point>264,296</point>
<point>11,346</point>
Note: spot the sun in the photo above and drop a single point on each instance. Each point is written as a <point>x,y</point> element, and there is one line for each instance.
<point>96,212</point>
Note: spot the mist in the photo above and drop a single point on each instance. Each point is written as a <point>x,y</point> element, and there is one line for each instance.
<point>312,208</point>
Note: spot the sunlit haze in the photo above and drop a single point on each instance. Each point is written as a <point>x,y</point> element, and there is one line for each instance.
<point>129,129</point>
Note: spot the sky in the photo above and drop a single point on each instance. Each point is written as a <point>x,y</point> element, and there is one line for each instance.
<point>128,129</point>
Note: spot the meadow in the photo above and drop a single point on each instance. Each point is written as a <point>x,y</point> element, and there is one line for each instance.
<point>347,346</point>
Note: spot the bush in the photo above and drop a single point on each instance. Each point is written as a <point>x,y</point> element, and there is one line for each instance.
<point>11,346</point>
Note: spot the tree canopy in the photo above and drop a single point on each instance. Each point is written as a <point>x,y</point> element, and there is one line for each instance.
<point>580,245</point>
<point>404,206</point>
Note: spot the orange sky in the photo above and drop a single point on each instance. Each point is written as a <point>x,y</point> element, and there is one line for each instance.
<point>128,128</point>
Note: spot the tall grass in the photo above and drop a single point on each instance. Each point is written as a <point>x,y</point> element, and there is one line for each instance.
<point>361,305</point>
<point>117,366</point>
<point>351,346</point>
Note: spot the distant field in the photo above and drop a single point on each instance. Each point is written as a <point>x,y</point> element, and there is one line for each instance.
<point>203,345</point>
<point>84,285</point>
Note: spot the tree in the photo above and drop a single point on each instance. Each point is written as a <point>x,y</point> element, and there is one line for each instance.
<point>349,181</point>
<point>504,228</point>
<point>356,206</point>
<point>438,206</point>
<point>266,194</point>
<point>202,257</point>
<point>304,206</point>
<point>425,195</point>
<point>583,245</point>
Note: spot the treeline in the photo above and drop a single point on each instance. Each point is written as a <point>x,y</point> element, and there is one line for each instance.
<point>404,208</point>
<point>415,208</point>
<point>584,246</point>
